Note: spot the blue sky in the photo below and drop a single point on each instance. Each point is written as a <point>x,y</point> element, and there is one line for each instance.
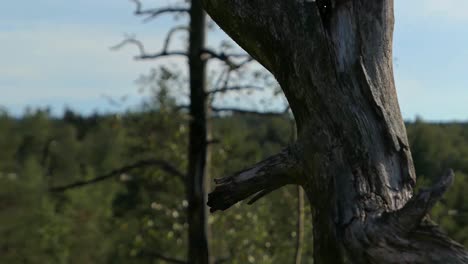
<point>56,53</point>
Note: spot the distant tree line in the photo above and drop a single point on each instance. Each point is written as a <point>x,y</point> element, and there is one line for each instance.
<point>137,211</point>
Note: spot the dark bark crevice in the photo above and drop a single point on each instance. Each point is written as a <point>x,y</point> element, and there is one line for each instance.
<point>325,8</point>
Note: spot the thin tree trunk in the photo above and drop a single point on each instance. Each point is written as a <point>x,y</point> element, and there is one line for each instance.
<point>300,209</point>
<point>299,226</point>
<point>198,251</point>
<point>333,60</point>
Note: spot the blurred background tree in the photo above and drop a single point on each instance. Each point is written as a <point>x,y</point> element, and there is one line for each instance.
<point>201,100</point>
<point>111,188</point>
<point>122,219</point>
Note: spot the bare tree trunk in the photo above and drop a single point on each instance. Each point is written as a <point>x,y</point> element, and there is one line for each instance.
<point>333,60</point>
<point>196,180</point>
<point>299,226</point>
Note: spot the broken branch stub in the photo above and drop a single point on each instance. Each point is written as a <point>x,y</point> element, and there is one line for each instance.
<point>419,205</point>
<point>262,178</point>
<point>406,235</point>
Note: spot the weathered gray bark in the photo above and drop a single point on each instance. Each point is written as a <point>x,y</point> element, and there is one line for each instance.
<point>197,214</point>
<point>333,60</point>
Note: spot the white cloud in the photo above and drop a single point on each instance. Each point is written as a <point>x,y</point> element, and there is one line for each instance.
<point>421,98</point>
<point>66,61</point>
<point>440,10</point>
<point>449,9</point>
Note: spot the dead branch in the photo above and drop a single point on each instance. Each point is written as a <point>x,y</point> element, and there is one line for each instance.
<point>249,112</point>
<point>161,164</point>
<point>262,178</point>
<point>206,54</point>
<point>236,88</point>
<point>227,58</point>
<point>131,40</point>
<point>155,12</point>
<point>171,33</point>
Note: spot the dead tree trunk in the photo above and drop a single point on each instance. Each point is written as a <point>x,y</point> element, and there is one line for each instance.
<point>196,181</point>
<point>333,60</point>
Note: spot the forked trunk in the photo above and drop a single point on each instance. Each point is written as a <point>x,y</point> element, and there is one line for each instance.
<point>333,60</point>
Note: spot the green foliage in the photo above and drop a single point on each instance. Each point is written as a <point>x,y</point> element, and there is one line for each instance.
<point>435,148</point>
<point>265,231</point>
<point>125,219</point>
<point>40,227</point>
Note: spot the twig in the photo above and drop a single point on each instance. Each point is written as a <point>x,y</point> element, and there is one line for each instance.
<point>131,40</point>
<point>162,164</point>
<point>162,54</point>
<point>171,33</point>
<point>227,57</point>
<point>251,112</point>
<point>236,88</point>
<point>155,12</point>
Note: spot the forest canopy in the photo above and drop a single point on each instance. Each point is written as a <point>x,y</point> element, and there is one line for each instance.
<point>125,218</point>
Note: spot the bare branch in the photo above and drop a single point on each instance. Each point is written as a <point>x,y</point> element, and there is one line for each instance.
<point>236,88</point>
<point>131,40</point>
<point>250,112</point>
<point>160,11</point>
<point>245,62</point>
<point>217,85</point>
<point>206,53</point>
<point>152,13</point>
<point>162,54</point>
<point>223,55</point>
<point>171,33</point>
<point>224,75</point>
<point>260,195</point>
<point>156,255</point>
<point>227,57</point>
<point>161,164</point>
<point>264,177</point>
<point>155,12</point>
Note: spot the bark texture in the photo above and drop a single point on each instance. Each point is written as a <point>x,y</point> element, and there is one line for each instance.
<point>333,60</point>
<point>197,214</point>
